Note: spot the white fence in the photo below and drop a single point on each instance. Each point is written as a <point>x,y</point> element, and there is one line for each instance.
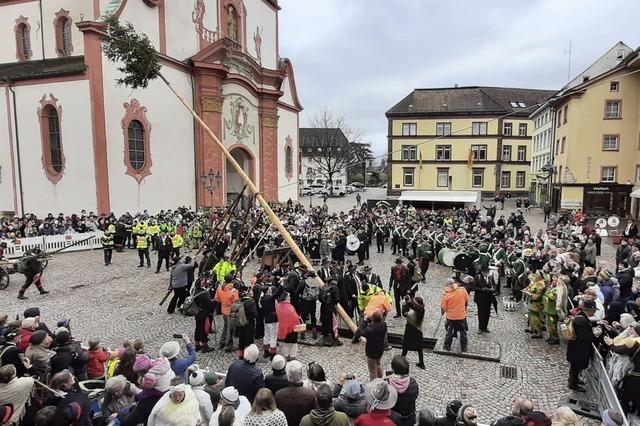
<point>86,241</point>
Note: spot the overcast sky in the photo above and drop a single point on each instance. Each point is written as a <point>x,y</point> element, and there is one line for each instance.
<point>360,57</point>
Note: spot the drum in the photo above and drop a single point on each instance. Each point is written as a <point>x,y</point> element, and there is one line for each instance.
<point>463,262</point>
<point>353,243</point>
<point>441,253</point>
<point>449,257</point>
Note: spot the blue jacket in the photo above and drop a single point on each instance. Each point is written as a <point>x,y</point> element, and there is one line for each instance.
<point>180,365</point>
<point>245,377</point>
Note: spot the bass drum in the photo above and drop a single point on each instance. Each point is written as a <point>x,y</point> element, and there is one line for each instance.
<point>441,253</point>
<point>463,262</point>
<point>448,258</point>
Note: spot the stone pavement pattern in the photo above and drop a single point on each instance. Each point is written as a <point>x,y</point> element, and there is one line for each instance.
<point>120,301</point>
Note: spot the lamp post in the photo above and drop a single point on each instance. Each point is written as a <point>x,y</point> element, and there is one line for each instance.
<point>211,181</point>
<point>548,169</point>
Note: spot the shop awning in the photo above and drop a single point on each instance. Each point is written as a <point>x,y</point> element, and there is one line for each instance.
<point>441,196</point>
<point>635,194</point>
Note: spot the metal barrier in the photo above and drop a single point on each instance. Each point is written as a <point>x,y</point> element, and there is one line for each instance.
<point>603,395</point>
<point>18,247</point>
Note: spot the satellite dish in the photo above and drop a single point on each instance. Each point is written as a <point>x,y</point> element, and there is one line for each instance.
<point>613,221</point>
<point>602,223</point>
<point>353,243</point>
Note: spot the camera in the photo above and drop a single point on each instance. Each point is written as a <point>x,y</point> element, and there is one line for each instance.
<point>350,377</point>
<point>177,336</point>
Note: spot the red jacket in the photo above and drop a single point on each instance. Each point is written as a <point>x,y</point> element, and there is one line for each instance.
<point>375,418</point>
<point>95,365</point>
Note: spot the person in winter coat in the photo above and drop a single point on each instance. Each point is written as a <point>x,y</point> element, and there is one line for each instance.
<point>413,310</point>
<point>197,382</point>
<point>226,295</point>
<point>97,358</point>
<point>39,356</point>
<point>403,412</point>
<point>119,394</point>
<point>375,334</point>
<point>451,414</point>
<point>171,351</point>
<point>622,254</point>
<point>29,325</point>
<point>178,407</point>
<point>316,377</point>
<point>244,375</point>
<point>246,332</point>
<point>329,299</point>
<point>264,412</point>
<point>325,414</point>
<point>180,283</point>
<point>278,378</point>
<point>69,356</point>
<point>454,306</point>
<point>202,299</point>
<point>590,254</point>
<point>351,400</point>
<point>295,400</point>
<point>381,398</point>
<point>229,398</point>
<point>580,350</point>
<point>74,407</point>
<point>125,366</point>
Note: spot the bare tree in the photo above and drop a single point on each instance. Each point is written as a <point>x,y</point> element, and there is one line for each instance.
<point>334,146</point>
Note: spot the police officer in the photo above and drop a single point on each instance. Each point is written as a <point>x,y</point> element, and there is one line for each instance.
<point>142,245</point>
<point>107,246</point>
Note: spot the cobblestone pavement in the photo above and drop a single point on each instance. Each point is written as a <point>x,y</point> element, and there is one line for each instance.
<point>121,301</point>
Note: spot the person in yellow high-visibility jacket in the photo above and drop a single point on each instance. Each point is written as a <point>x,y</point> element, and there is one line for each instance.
<point>142,244</point>
<point>177,242</point>
<point>223,267</point>
<point>153,230</point>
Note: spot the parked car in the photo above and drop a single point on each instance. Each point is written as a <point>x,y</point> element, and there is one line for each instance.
<point>350,189</point>
<point>306,191</point>
<point>339,191</point>
<point>318,189</point>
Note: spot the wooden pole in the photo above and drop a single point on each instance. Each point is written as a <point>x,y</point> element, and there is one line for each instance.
<point>265,205</point>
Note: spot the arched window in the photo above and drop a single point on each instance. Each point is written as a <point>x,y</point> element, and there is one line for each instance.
<point>23,39</point>
<point>64,41</point>
<point>53,160</point>
<point>136,145</point>
<point>55,146</point>
<point>136,130</point>
<point>288,158</point>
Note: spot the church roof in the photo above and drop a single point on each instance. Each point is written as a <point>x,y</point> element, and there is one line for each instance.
<point>54,67</point>
<point>470,100</point>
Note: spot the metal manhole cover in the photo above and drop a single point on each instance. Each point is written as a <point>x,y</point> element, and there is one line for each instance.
<point>508,372</point>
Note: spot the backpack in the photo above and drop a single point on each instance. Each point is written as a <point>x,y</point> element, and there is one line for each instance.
<point>399,272</point>
<point>567,329</point>
<point>325,295</point>
<point>311,291</point>
<point>4,349</point>
<point>238,314</point>
<point>190,307</point>
<point>112,364</point>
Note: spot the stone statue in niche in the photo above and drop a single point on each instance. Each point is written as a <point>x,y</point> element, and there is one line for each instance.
<point>232,23</point>
<point>238,125</point>
<point>257,39</point>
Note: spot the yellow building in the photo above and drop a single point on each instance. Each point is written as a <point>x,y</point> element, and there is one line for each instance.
<point>471,139</point>
<point>597,142</point>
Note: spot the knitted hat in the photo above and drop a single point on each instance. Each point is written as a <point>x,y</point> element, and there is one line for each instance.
<point>611,418</point>
<point>170,349</point>
<point>31,312</point>
<point>31,323</point>
<point>196,378</point>
<point>353,390</point>
<point>60,330</point>
<point>211,378</point>
<point>148,381</point>
<point>62,338</point>
<point>143,363</point>
<point>251,353</point>
<point>468,415</point>
<point>38,337</point>
<point>230,394</point>
<point>278,363</point>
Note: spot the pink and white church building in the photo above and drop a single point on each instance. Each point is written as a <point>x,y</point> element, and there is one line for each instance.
<point>71,139</point>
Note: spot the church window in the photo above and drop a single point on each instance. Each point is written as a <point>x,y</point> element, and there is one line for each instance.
<point>23,39</point>
<point>53,160</point>
<point>64,41</point>
<point>136,145</point>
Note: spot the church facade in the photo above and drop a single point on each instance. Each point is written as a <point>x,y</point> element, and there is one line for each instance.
<point>72,139</point>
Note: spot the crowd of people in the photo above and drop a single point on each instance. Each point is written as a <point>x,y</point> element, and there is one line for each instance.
<point>555,272</point>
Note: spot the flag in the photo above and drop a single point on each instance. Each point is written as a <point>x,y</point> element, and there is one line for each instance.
<point>470,159</point>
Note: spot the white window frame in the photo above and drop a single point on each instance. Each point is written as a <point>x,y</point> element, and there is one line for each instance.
<point>477,173</point>
<point>442,173</point>
<point>443,128</point>
<point>479,128</point>
<point>521,177</point>
<point>522,149</point>
<point>442,152</point>
<point>609,177</point>
<point>504,175</point>
<point>609,109</point>
<point>477,150</point>
<point>614,86</point>
<point>610,142</point>
<point>408,173</point>
<point>507,129</point>
<point>409,152</point>
<point>506,148</point>
<point>409,129</point>
<point>521,127</point>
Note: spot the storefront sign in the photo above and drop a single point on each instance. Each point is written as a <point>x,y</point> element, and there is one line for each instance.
<point>571,204</point>
<point>600,188</point>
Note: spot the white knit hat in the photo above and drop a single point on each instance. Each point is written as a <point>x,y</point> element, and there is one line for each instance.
<point>251,353</point>
<point>196,378</point>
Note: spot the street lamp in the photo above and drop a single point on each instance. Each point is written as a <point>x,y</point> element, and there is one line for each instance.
<point>210,181</point>
<point>549,170</point>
